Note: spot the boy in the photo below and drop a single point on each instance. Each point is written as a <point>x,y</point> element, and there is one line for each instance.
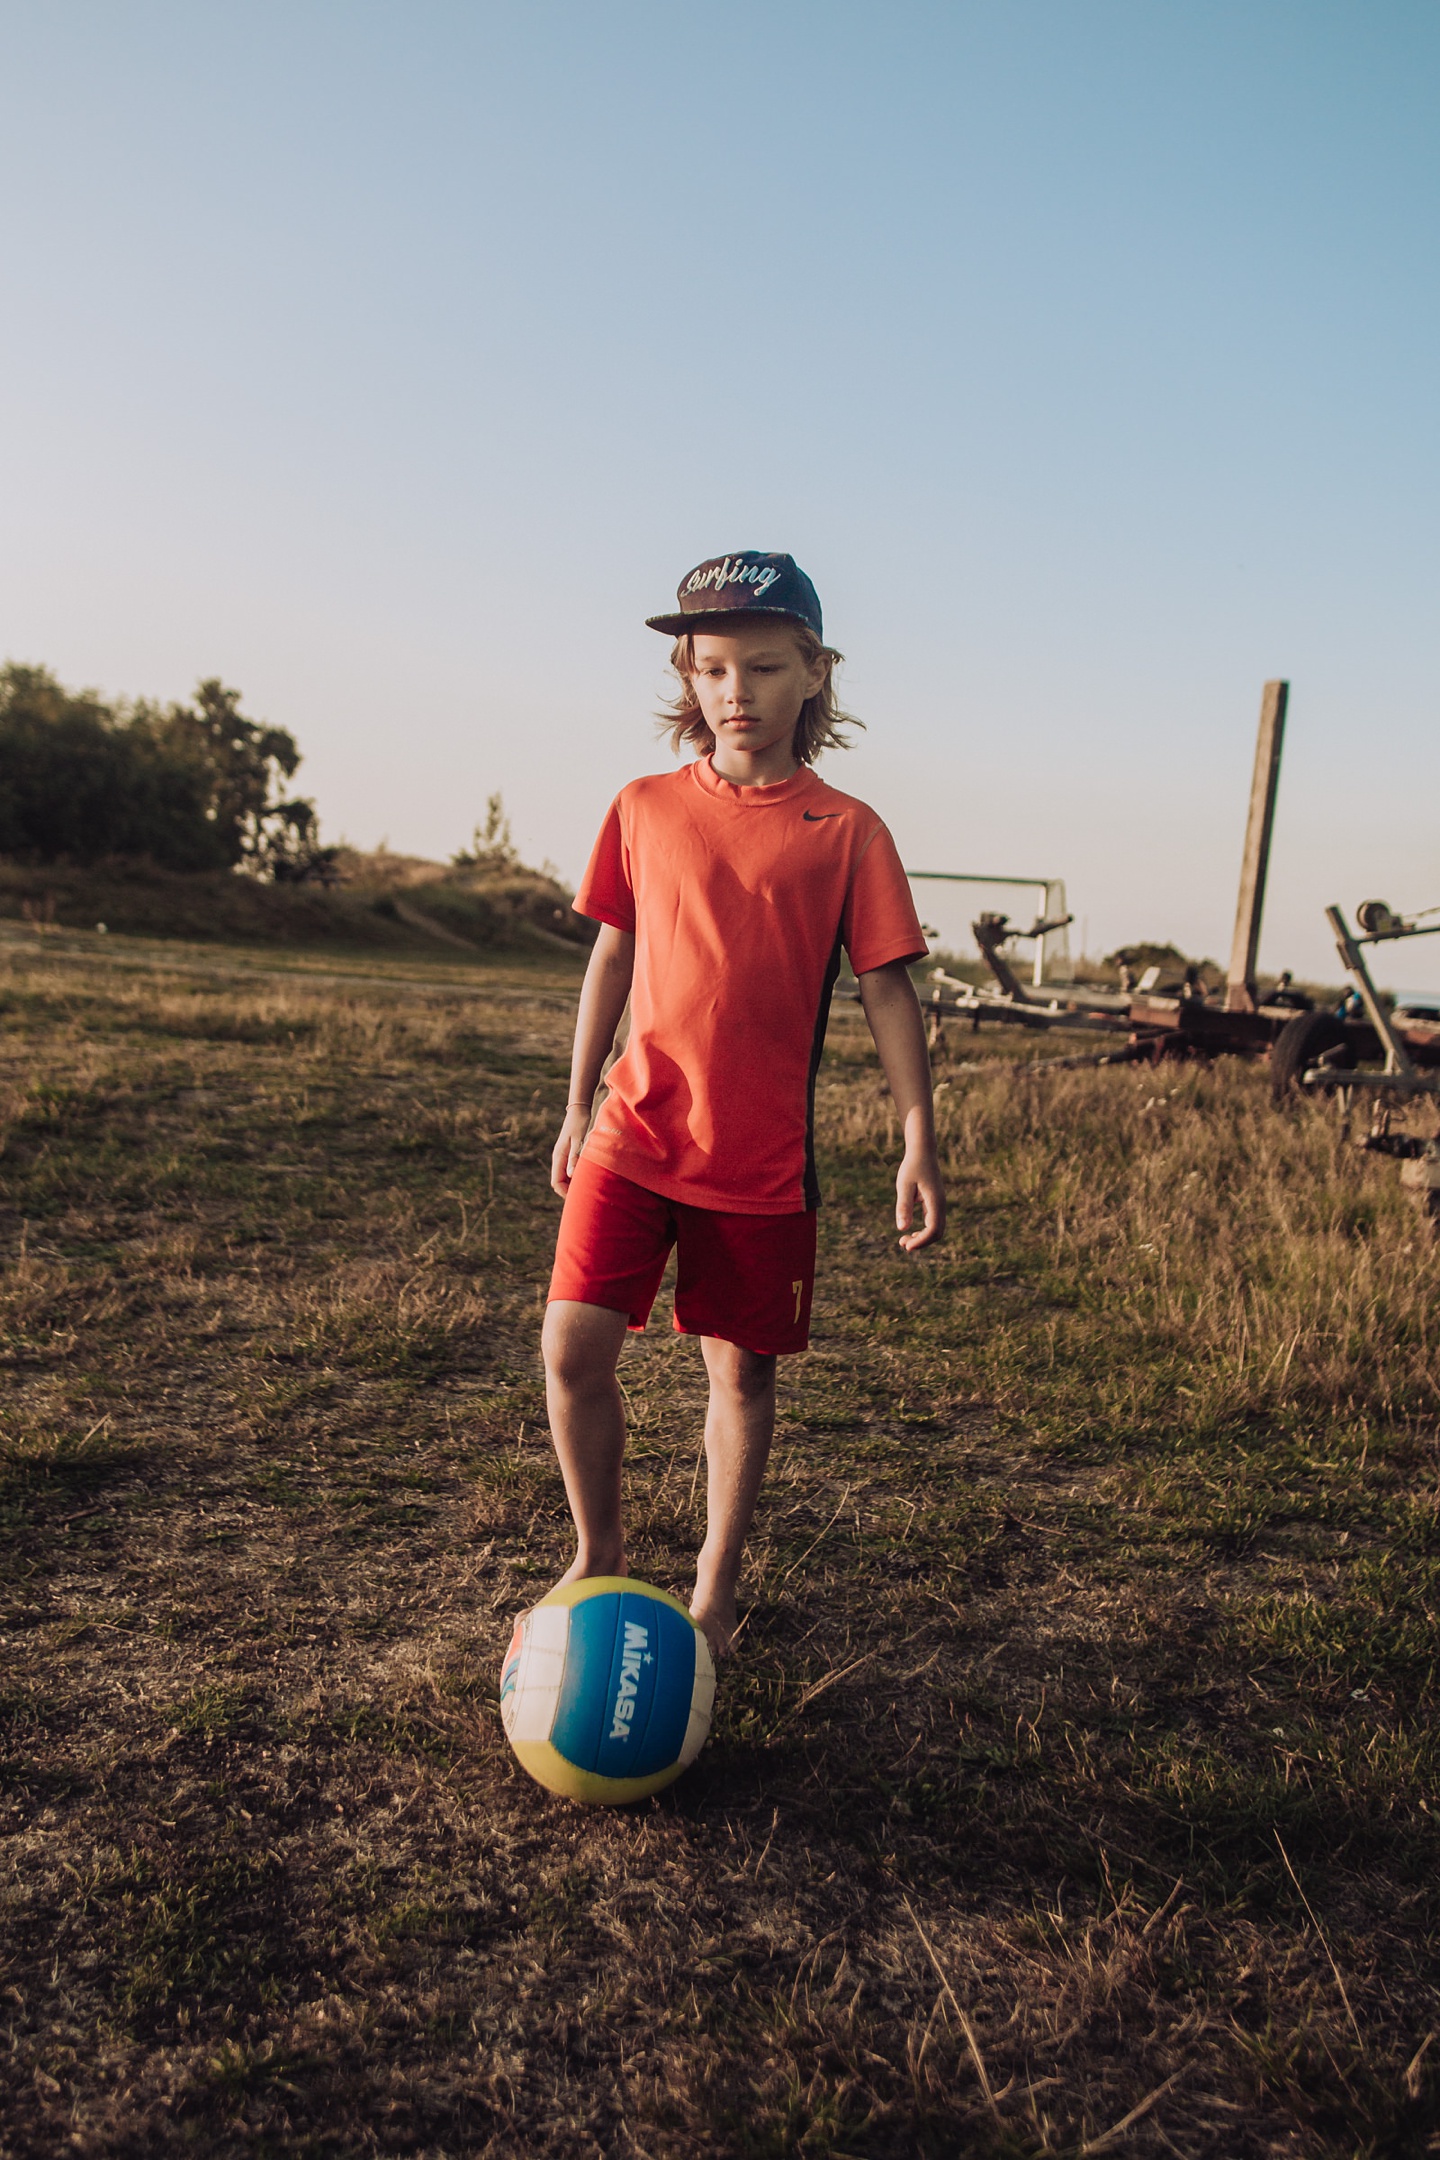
<point>724,892</point>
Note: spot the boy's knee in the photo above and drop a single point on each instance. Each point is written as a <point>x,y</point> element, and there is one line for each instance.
<point>581,1345</point>
<point>744,1373</point>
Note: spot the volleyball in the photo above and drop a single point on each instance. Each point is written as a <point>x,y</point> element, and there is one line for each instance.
<point>606,1690</point>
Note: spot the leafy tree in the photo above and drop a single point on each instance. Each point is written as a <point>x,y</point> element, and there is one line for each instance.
<point>193,787</point>
<point>76,782</point>
<point>237,763</point>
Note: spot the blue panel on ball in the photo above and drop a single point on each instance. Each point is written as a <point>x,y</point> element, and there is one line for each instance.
<point>580,1715</point>
<point>630,1687</point>
<point>651,1683</point>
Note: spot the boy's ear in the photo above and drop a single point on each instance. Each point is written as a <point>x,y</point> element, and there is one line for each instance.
<point>815,680</point>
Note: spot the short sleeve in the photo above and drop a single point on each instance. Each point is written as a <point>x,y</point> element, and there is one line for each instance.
<point>606,893</point>
<point>880,923</point>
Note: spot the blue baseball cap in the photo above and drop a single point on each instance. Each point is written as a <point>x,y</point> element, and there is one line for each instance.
<point>749,582</point>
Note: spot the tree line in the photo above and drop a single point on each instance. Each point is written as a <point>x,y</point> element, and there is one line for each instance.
<point>190,787</point>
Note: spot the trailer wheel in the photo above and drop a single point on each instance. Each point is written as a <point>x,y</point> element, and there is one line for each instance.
<point>1302,1042</point>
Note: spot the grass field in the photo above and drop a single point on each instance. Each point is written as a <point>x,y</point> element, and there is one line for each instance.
<point>1074,1791</point>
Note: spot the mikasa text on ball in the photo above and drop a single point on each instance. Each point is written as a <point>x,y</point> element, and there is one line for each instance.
<point>607,1689</point>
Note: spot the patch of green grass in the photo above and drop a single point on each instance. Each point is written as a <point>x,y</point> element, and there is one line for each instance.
<point>389,1732</point>
<point>215,1711</point>
<point>1378,1629</point>
<point>207,1936</point>
<point>51,1469</point>
<point>21,1710</point>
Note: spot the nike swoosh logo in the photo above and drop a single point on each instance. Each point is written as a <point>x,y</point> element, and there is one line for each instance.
<point>811,818</point>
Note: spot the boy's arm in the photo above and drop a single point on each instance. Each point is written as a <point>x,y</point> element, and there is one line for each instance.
<point>602,1001</point>
<point>893,1011</point>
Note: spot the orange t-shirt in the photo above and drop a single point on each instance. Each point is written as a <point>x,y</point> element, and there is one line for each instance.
<point>739,900</point>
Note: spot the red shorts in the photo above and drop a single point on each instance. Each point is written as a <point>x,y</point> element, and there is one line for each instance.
<point>746,1278</point>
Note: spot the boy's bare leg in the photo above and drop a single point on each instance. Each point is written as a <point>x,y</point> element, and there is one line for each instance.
<point>739,1427</point>
<point>587,1422</point>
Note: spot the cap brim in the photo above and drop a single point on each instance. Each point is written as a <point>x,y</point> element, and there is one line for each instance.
<point>720,619</point>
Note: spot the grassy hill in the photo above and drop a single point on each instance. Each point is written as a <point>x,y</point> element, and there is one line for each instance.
<point>383,902</point>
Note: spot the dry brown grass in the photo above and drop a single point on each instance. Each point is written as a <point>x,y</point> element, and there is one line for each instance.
<point>1072,1793</point>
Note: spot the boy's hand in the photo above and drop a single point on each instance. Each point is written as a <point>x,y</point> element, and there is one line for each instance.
<point>918,1184</point>
<point>567,1149</point>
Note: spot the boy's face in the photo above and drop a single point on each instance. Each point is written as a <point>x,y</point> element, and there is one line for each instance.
<point>750,683</point>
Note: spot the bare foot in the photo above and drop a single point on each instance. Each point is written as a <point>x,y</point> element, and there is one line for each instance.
<point>587,1565</point>
<point>713,1611</point>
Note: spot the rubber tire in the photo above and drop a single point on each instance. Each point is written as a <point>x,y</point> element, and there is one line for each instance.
<point>1302,1042</point>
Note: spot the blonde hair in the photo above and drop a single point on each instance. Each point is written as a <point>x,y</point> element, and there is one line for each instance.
<point>822,718</point>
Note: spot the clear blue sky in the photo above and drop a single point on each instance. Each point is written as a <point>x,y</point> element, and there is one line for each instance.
<point>393,361</point>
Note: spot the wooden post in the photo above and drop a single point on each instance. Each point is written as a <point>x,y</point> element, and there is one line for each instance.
<point>1240,983</point>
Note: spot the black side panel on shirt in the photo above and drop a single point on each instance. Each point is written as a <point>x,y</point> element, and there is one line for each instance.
<point>817,1045</point>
